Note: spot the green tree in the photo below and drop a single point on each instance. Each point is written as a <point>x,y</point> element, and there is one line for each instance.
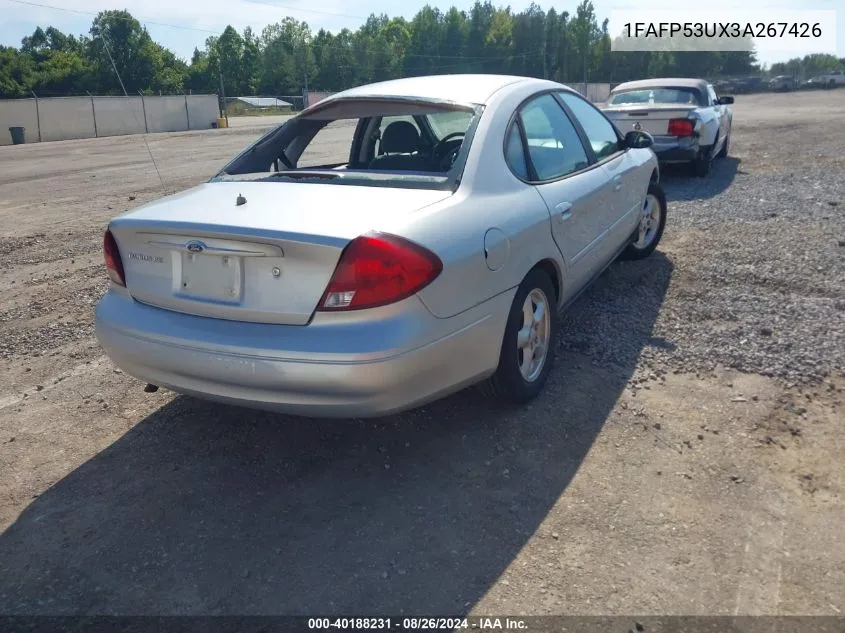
<point>286,57</point>
<point>426,35</point>
<point>117,36</point>
<point>250,64</point>
<point>17,73</point>
<point>225,54</point>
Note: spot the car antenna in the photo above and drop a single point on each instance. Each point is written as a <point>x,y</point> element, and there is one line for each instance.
<point>126,94</point>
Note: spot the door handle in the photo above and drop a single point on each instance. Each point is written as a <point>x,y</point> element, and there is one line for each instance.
<point>564,211</point>
<point>617,183</point>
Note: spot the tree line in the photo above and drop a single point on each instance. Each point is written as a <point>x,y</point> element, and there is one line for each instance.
<point>288,56</point>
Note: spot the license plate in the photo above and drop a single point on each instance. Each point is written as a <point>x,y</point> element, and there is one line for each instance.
<point>211,277</point>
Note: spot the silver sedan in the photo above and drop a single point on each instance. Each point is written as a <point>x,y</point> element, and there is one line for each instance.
<point>389,245</point>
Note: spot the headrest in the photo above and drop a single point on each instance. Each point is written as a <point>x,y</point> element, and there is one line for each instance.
<point>400,137</point>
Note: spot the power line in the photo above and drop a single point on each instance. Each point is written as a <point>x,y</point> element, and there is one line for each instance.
<point>81,12</point>
<point>317,11</point>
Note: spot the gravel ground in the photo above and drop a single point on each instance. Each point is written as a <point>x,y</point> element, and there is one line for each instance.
<point>687,443</point>
<point>758,249</point>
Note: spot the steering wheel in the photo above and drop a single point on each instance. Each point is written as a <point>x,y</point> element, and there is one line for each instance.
<point>446,149</point>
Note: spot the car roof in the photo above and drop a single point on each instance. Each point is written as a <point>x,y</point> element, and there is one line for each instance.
<point>667,82</point>
<point>475,89</point>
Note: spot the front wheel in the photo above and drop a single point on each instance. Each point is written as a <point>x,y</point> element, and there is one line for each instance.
<point>652,223</point>
<point>528,346</point>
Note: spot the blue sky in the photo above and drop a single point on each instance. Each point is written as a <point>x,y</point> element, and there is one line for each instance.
<point>193,20</point>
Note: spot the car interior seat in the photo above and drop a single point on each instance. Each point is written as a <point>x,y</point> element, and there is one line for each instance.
<point>399,141</point>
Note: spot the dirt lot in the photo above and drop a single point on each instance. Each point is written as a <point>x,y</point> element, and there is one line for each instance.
<point>686,457</point>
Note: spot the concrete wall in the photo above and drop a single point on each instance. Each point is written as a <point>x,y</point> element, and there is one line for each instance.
<point>166,114</point>
<point>119,115</point>
<point>19,113</point>
<point>65,118</point>
<point>597,93</point>
<point>202,111</point>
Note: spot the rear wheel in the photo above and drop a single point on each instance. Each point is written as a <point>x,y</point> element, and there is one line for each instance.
<point>528,346</point>
<point>703,162</point>
<point>652,223</point>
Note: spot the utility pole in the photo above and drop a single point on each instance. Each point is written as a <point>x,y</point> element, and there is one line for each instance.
<point>545,51</point>
<point>223,112</point>
<point>585,67</point>
<point>586,52</point>
<point>563,62</point>
<point>304,48</point>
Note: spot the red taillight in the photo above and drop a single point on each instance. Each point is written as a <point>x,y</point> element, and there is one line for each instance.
<point>681,127</point>
<point>377,269</point>
<point>113,262</point>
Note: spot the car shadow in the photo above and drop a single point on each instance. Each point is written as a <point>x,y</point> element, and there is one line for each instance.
<point>680,184</point>
<point>207,509</point>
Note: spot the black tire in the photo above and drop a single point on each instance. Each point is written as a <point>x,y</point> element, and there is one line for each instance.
<point>703,162</point>
<point>634,251</point>
<point>723,153</point>
<point>508,383</point>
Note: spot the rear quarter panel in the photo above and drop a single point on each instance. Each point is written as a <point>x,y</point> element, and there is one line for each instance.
<point>515,229</point>
<point>710,122</point>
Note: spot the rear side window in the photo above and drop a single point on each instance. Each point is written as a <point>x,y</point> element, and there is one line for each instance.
<point>599,130</point>
<point>515,153</point>
<point>554,146</point>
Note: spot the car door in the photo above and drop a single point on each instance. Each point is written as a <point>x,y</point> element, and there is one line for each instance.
<point>543,148</point>
<point>623,170</point>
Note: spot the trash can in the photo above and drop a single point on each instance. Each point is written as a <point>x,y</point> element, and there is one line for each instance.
<point>18,135</point>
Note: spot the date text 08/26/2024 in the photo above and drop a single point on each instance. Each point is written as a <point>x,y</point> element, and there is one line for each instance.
<point>417,624</point>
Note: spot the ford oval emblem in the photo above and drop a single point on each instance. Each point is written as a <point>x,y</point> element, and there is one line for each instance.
<point>195,246</point>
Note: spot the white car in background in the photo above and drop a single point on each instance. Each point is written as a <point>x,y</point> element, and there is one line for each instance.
<point>688,121</point>
<point>832,79</point>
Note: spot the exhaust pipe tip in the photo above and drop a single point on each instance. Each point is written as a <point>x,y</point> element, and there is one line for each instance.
<point>151,388</point>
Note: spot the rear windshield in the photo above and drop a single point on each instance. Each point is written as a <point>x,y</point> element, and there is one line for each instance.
<point>680,96</point>
<point>384,142</point>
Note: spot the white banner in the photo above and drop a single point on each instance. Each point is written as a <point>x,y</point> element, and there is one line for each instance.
<point>713,29</point>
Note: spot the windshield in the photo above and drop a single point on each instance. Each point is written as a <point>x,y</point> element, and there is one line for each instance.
<point>363,142</point>
<point>680,96</point>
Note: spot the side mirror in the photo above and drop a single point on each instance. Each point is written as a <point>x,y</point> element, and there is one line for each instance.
<point>638,140</point>
<point>725,100</point>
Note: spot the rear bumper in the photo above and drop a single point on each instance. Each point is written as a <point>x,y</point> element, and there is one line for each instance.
<point>674,150</point>
<point>341,365</point>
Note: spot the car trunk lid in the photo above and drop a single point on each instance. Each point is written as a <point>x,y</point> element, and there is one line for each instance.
<point>265,260</point>
<point>652,118</point>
